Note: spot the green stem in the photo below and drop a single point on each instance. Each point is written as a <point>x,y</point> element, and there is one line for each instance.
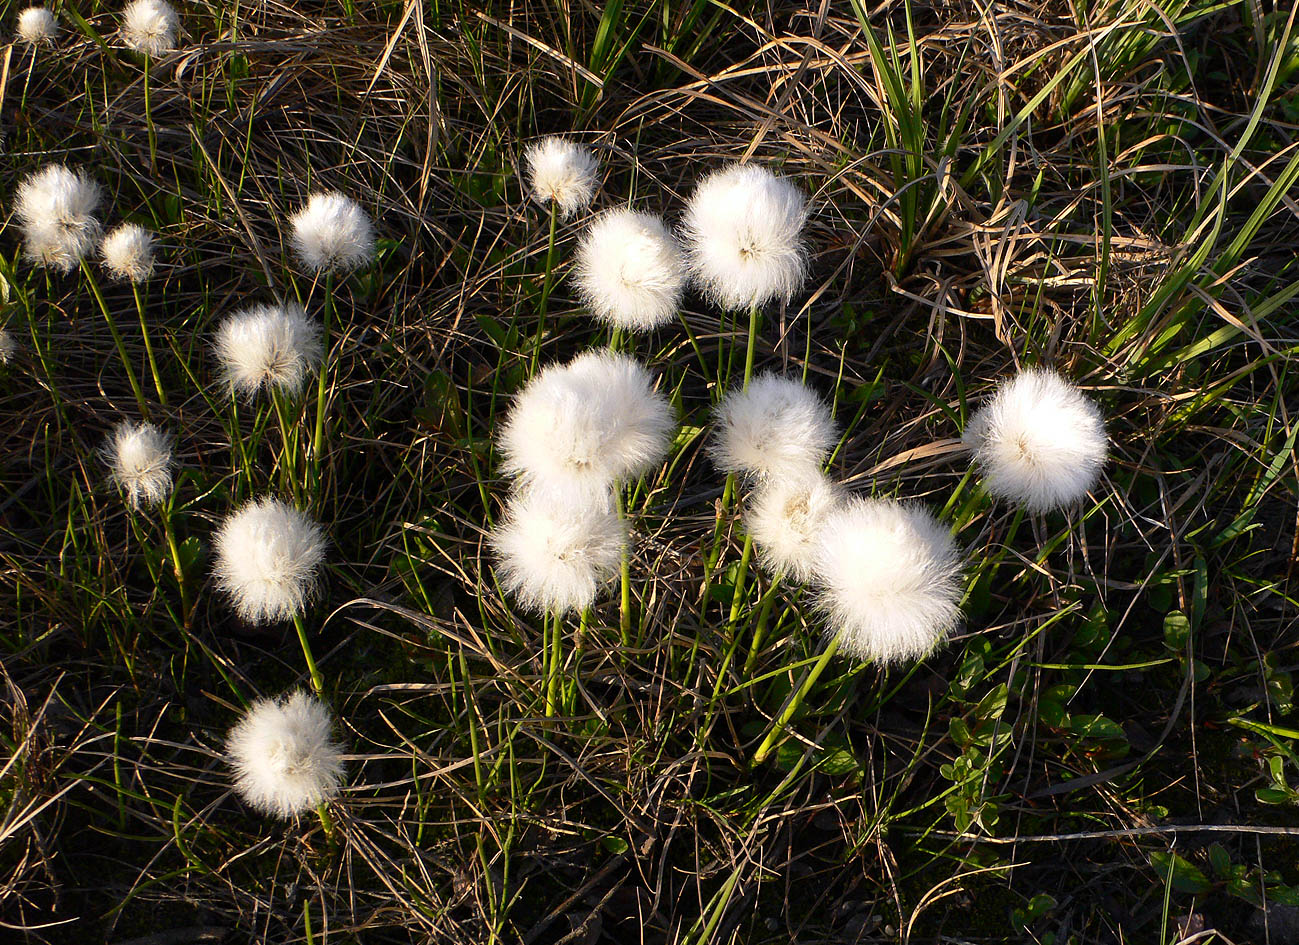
<point>117,339</point>
<point>148,120</point>
<point>326,822</point>
<point>148,345</point>
<point>795,701</point>
<point>760,631</point>
<point>545,290</point>
<point>556,658</point>
<point>741,575</point>
<point>318,442</point>
<point>288,454</point>
<point>317,682</point>
<point>752,341</point>
<point>176,564</point>
<point>624,570</point>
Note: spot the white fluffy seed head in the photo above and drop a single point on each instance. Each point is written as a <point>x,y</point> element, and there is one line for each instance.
<point>128,252</point>
<point>785,518</point>
<point>561,172</point>
<point>139,455</point>
<point>271,346</point>
<point>267,557</point>
<point>37,26</point>
<point>580,427</point>
<point>743,232</point>
<point>554,553</point>
<point>284,755</point>
<point>889,579</point>
<point>332,233</point>
<point>630,270</point>
<point>149,27</point>
<point>57,210</point>
<point>775,429</point>
<point>1039,441</point>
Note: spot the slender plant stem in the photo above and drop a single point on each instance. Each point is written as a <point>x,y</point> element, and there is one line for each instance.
<point>318,442</point>
<point>741,575</point>
<point>326,822</point>
<point>148,345</point>
<point>288,455</point>
<point>117,339</point>
<point>624,570</point>
<point>545,289</point>
<point>556,659</point>
<point>752,341</point>
<point>317,681</point>
<point>615,338</point>
<point>795,701</point>
<point>760,630</point>
<point>177,566</point>
<point>148,118</point>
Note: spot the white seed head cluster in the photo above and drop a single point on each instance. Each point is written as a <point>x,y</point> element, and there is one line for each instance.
<point>580,427</point>
<point>37,26</point>
<point>284,755</point>
<point>555,553</point>
<point>775,429</point>
<point>267,557</point>
<point>630,270</point>
<point>139,455</point>
<point>128,252</point>
<point>561,172</point>
<point>271,346</point>
<point>57,209</point>
<point>785,518</point>
<point>889,579</point>
<point>743,231</point>
<point>332,233</point>
<point>1039,441</point>
<point>149,27</point>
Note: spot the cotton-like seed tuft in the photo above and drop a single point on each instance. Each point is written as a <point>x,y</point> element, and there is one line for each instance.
<point>554,554</point>
<point>267,557</point>
<point>630,270</point>
<point>128,252</point>
<point>775,429</point>
<point>139,455</point>
<point>1039,442</point>
<point>284,755</point>
<point>57,209</point>
<point>785,518</point>
<point>332,233</point>
<point>580,427</point>
<point>561,172</point>
<point>149,27</point>
<point>743,231</point>
<point>271,346</point>
<point>37,26</point>
<point>889,579</point>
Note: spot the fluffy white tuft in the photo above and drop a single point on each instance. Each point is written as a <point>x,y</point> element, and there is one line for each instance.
<point>284,755</point>
<point>785,519</point>
<point>1039,441</point>
<point>743,233</point>
<point>272,346</point>
<point>57,210</point>
<point>267,557</point>
<point>128,252</point>
<point>889,577</point>
<point>630,270</point>
<point>332,233</point>
<point>580,427</point>
<point>774,429</point>
<point>555,554</point>
<point>7,346</point>
<point>149,27</point>
<point>561,172</point>
<point>139,455</point>
<point>37,26</point>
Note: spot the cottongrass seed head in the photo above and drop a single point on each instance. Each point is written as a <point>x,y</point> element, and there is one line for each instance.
<point>743,232</point>
<point>785,517</point>
<point>139,455</point>
<point>555,553</point>
<point>284,755</point>
<point>127,253</point>
<point>889,579</point>
<point>562,173</point>
<point>37,26</point>
<point>149,27</point>
<point>332,233</point>
<point>271,346</point>
<point>267,557</point>
<point>775,429</point>
<point>57,210</point>
<point>630,270</point>
<point>1039,441</point>
<point>580,427</point>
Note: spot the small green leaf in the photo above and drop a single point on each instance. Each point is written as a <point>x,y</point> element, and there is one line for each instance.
<point>614,844</point>
<point>1180,873</point>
